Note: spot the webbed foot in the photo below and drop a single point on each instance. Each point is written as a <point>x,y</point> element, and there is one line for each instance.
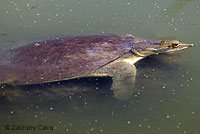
<point>10,93</point>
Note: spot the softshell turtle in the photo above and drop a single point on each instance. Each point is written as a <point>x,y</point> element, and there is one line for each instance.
<point>82,56</point>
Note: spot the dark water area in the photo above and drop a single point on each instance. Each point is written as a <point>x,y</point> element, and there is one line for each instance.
<point>168,86</point>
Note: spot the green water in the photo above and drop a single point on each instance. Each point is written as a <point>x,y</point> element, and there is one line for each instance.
<point>169,87</point>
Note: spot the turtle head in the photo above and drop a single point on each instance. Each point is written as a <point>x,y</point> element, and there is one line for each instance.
<point>147,48</point>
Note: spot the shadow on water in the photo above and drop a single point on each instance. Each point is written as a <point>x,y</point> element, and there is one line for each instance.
<point>57,91</point>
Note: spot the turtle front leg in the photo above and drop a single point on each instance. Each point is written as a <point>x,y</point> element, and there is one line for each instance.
<point>123,74</point>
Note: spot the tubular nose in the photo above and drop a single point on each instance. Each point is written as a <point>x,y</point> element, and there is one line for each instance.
<point>191,45</point>
<point>187,45</point>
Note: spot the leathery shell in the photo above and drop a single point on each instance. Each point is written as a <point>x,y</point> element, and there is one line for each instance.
<point>62,58</point>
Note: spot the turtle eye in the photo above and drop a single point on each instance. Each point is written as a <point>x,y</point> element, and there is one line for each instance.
<point>174,45</point>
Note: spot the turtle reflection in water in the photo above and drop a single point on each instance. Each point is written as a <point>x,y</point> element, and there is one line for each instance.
<point>82,56</point>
